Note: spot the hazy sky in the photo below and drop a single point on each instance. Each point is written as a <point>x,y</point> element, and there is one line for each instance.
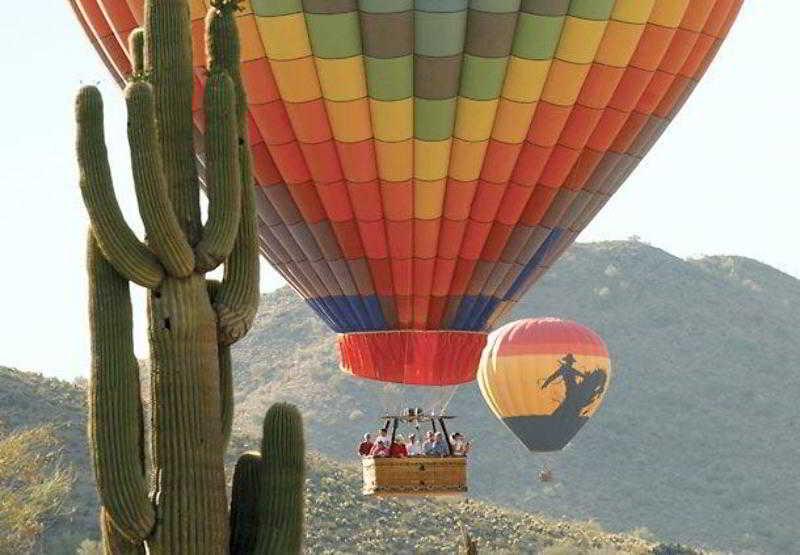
<point>724,179</point>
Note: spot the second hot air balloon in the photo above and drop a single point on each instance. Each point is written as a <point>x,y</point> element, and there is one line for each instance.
<point>544,379</point>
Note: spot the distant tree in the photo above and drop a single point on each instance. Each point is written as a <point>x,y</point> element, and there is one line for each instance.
<point>34,485</point>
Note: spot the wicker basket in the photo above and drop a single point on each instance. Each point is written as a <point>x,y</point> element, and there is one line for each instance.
<point>415,476</point>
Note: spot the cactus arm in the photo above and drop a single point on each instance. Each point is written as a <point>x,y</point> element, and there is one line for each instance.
<point>114,543</point>
<point>237,301</point>
<point>222,174</point>
<point>164,234</point>
<point>115,417</point>
<point>244,504</point>
<point>136,48</point>
<point>119,244</point>
<point>168,65</point>
<point>226,390</point>
<point>281,496</point>
<point>225,373</point>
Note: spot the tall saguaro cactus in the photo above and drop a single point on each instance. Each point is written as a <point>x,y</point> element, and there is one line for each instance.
<point>193,321</point>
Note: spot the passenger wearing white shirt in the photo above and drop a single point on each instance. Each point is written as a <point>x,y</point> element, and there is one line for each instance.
<point>413,446</point>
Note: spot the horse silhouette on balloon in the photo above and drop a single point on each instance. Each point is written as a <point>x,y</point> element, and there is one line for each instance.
<point>552,432</point>
<point>582,390</point>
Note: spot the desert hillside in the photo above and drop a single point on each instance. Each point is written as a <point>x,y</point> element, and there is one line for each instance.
<point>694,441</point>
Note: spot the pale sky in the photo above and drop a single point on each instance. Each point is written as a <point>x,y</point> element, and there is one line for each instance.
<point>724,178</point>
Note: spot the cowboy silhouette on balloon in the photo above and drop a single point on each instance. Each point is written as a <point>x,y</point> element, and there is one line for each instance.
<point>582,389</point>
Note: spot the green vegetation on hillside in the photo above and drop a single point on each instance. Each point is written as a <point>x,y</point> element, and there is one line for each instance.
<point>33,486</point>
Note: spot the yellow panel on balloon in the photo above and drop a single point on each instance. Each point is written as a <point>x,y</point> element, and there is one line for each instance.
<point>249,38</point>
<point>474,119</point>
<point>525,79</point>
<point>431,159</point>
<point>580,39</point>
<point>285,37</point>
<point>619,44</point>
<point>296,79</point>
<point>349,120</point>
<point>564,83</point>
<point>342,78</point>
<point>395,160</point>
<point>392,120</point>
<point>428,199</point>
<point>633,11</point>
<point>466,160</point>
<point>668,13</point>
<point>513,120</point>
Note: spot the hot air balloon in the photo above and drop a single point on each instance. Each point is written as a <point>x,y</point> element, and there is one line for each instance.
<point>421,163</point>
<point>544,379</point>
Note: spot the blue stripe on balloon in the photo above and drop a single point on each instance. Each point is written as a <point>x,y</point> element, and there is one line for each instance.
<point>349,313</point>
<point>461,321</point>
<point>375,312</point>
<point>323,312</point>
<point>482,316</point>
<point>359,311</point>
<point>533,263</point>
<point>345,315</point>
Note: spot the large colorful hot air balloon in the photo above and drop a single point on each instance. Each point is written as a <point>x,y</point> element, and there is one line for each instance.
<point>544,379</point>
<point>421,163</point>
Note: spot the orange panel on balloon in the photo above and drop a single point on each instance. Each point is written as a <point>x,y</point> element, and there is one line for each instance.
<point>257,77</point>
<point>451,233</point>
<point>600,84</point>
<point>374,239</point>
<point>336,200</point>
<point>532,160</point>
<point>398,200</point>
<point>487,200</point>
<point>309,121</point>
<point>426,238</point>
<point>513,203</point>
<point>273,122</point>
<point>323,161</point>
<point>349,239</point>
<point>501,158</point>
<point>458,199</point>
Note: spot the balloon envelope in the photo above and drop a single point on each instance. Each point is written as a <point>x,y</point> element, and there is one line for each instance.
<point>420,164</point>
<point>544,379</point>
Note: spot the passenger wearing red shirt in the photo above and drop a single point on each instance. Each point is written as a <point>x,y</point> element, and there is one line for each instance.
<point>398,448</point>
<point>379,449</point>
<point>365,447</point>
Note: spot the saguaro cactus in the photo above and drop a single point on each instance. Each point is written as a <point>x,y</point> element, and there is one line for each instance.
<point>267,501</point>
<point>192,320</point>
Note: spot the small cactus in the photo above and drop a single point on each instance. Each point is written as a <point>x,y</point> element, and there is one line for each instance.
<point>268,489</point>
<point>468,545</point>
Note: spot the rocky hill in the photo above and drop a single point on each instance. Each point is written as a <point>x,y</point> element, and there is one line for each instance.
<point>697,440</point>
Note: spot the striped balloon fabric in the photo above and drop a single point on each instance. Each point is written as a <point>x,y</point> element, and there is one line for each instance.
<point>421,163</point>
<point>544,379</point>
